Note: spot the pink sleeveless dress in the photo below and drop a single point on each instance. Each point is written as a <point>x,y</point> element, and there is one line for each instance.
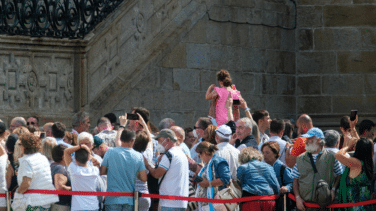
<point>220,110</point>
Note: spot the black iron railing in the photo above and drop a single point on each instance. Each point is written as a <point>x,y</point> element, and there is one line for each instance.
<point>53,18</point>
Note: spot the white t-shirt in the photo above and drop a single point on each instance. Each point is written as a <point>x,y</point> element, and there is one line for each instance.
<point>176,178</point>
<point>3,187</point>
<point>83,179</point>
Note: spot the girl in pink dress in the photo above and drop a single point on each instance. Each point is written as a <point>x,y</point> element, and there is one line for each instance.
<point>220,94</point>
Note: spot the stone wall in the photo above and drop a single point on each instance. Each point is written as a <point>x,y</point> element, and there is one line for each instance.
<point>151,56</point>
<point>37,77</point>
<point>335,59</point>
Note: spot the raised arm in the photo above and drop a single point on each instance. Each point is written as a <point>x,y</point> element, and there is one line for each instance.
<point>123,122</point>
<point>211,94</point>
<point>68,152</point>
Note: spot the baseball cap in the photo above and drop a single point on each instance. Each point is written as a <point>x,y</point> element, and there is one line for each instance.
<point>97,141</point>
<point>314,132</point>
<point>166,133</point>
<point>224,131</point>
<point>2,127</point>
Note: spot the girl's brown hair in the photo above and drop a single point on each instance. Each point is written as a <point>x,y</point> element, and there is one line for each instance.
<point>224,77</point>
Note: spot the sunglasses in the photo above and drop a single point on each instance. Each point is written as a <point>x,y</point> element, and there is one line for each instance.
<point>32,123</point>
<point>196,127</point>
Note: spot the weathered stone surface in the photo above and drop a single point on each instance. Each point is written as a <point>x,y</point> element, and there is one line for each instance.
<point>309,85</point>
<point>254,60</point>
<point>310,16</point>
<point>219,13</point>
<point>280,62</point>
<point>288,40</point>
<point>364,104</point>
<point>336,84</point>
<point>281,104</point>
<point>369,84</point>
<point>248,83</point>
<point>313,105</point>
<point>337,39</point>
<point>322,2</point>
<point>266,37</point>
<point>180,77</point>
<point>218,57</point>
<point>357,62</point>
<point>198,56</point>
<point>349,15</point>
<point>166,78</point>
<point>214,32</point>
<point>198,33</point>
<point>305,39</point>
<point>368,38</point>
<point>208,77</point>
<point>177,57</point>
<point>234,58</point>
<point>278,84</point>
<point>316,62</point>
<point>364,1</point>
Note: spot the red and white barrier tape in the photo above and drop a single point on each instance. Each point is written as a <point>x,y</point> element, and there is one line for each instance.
<point>181,198</point>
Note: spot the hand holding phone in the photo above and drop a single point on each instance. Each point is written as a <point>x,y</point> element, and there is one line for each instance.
<point>353,115</point>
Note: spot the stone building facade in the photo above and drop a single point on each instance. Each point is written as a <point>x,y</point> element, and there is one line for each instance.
<point>286,56</point>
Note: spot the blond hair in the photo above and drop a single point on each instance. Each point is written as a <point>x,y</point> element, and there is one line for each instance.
<point>248,154</point>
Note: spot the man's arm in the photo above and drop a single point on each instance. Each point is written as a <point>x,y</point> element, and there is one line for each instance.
<point>290,159</point>
<point>299,200</point>
<point>335,186</point>
<point>103,170</point>
<point>157,173</point>
<point>123,122</point>
<point>141,175</point>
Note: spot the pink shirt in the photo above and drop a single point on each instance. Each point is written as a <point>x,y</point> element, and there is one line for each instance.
<point>220,110</point>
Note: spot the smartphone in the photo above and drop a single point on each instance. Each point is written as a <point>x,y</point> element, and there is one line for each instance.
<point>236,102</point>
<point>353,114</point>
<point>132,116</point>
<point>42,135</point>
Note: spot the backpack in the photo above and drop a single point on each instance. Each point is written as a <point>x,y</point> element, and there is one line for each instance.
<point>153,184</point>
<point>321,194</point>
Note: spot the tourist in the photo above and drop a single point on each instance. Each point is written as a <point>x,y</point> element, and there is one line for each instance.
<point>213,177</point>
<point>256,178</point>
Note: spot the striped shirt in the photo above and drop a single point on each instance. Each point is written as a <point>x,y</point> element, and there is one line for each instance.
<point>338,170</point>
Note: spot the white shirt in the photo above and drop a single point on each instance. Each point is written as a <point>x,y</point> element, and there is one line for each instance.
<point>3,184</point>
<point>282,147</point>
<point>176,178</point>
<point>83,179</point>
<point>36,167</point>
<point>263,139</point>
<point>231,155</point>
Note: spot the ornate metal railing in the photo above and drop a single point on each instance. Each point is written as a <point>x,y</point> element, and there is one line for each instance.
<point>53,18</point>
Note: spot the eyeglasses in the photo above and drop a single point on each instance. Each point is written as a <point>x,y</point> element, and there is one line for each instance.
<point>32,123</point>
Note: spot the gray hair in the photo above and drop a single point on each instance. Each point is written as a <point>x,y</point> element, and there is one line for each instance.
<point>20,121</point>
<point>331,138</point>
<point>166,123</point>
<point>85,135</point>
<point>178,131</point>
<point>247,122</point>
<point>104,120</point>
<point>79,118</point>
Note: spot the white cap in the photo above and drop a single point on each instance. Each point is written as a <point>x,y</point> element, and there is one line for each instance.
<point>224,131</point>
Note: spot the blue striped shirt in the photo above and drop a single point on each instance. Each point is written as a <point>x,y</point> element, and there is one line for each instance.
<point>338,170</point>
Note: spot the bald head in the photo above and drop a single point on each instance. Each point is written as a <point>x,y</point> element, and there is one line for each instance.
<point>304,123</point>
<point>179,132</point>
<point>17,122</point>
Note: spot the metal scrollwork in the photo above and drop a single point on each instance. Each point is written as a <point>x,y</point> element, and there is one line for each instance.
<point>53,18</point>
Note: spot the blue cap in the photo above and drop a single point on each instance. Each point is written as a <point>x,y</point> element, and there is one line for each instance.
<point>314,132</point>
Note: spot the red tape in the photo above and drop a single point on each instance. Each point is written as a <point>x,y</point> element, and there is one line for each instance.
<point>3,195</point>
<point>238,200</point>
<point>85,193</point>
<point>338,205</point>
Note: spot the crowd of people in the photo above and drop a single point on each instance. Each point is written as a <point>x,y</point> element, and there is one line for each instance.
<point>128,153</point>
